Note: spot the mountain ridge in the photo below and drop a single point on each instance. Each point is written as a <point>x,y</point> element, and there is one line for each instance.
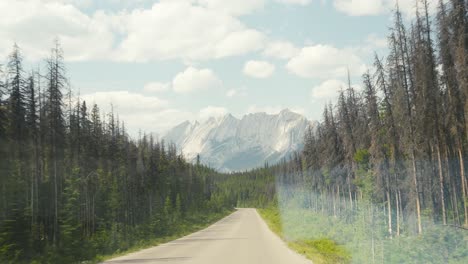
<point>231,144</point>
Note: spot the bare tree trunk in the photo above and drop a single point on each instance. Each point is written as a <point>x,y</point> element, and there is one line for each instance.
<point>350,193</point>
<point>455,204</point>
<point>389,211</point>
<point>339,200</point>
<point>441,185</point>
<point>415,182</point>
<point>321,202</point>
<point>372,232</point>
<point>4,199</point>
<point>397,199</point>
<point>55,201</point>
<point>462,176</point>
<point>402,216</point>
<point>334,202</point>
<point>93,221</point>
<point>32,198</point>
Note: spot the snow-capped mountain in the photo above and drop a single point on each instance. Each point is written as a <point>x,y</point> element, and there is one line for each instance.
<point>230,144</point>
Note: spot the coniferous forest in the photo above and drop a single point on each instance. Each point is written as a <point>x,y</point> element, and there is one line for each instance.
<point>402,140</point>
<point>383,174</point>
<point>389,160</point>
<point>75,185</point>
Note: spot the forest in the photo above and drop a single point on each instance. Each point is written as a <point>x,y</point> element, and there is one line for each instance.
<point>75,185</point>
<point>383,174</point>
<point>386,167</point>
<point>402,140</point>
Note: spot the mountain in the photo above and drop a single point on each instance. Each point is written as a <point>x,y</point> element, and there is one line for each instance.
<point>230,144</point>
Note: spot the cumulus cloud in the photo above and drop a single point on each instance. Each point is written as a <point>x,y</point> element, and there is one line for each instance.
<point>180,29</point>
<point>184,29</point>
<point>137,110</point>
<point>377,7</point>
<point>360,7</point>
<point>34,24</point>
<point>295,2</point>
<point>193,79</point>
<point>376,42</point>
<point>237,7</point>
<point>258,69</point>
<point>162,121</point>
<point>325,62</point>
<point>241,92</point>
<point>125,101</point>
<point>212,111</point>
<point>156,87</point>
<point>327,90</point>
<point>280,50</point>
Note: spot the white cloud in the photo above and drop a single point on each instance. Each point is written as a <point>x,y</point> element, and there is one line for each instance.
<point>125,101</point>
<point>180,29</point>
<point>162,121</point>
<point>264,109</point>
<point>360,7</point>
<point>212,111</point>
<point>77,3</point>
<point>295,2</point>
<point>272,110</point>
<point>237,7</point>
<point>377,7</point>
<point>231,93</point>
<point>375,41</point>
<point>327,90</point>
<point>238,43</point>
<point>136,110</point>
<point>34,24</point>
<point>241,92</point>
<point>156,87</point>
<point>193,79</point>
<point>258,69</point>
<point>280,50</point>
<point>145,113</point>
<point>408,7</point>
<point>325,62</point>
<point>121,4</point>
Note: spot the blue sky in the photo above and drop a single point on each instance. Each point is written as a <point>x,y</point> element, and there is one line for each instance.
<point>163,62</point>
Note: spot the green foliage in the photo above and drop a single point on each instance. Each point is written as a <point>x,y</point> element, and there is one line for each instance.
<point>360,235</point>
<point>362,157</point>
<point>318,250</point>
<point>322,251</point>
<point>74,186</point>
<point>15,240</point>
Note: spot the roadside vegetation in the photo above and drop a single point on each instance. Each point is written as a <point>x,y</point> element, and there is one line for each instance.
<point>320,251</point>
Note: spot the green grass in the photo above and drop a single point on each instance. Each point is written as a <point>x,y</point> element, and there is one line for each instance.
<point>186,227</point>
<point>320,251</point>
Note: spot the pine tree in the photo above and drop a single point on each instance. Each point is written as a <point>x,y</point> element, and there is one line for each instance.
<point>56,129</point>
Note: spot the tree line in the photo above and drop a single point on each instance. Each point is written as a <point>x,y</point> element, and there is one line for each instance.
<point>401,140</point>
<point>74,184</point>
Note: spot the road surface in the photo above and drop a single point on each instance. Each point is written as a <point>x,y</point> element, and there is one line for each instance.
<point>240,238</point>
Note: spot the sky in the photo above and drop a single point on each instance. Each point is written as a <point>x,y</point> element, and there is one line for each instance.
<point>159,63</point>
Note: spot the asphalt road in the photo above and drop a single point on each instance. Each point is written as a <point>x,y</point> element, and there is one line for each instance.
<point>240,238</point>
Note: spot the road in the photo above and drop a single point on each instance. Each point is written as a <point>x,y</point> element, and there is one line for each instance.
<point>240,238</point>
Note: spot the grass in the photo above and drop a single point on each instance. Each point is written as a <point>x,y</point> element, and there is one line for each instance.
<point>187,227</point>
<point>320,251</point>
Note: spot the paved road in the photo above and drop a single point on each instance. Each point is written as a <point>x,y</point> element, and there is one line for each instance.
<point>240,238</point>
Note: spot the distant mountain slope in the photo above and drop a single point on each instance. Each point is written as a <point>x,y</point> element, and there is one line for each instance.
<point>230,144</point>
